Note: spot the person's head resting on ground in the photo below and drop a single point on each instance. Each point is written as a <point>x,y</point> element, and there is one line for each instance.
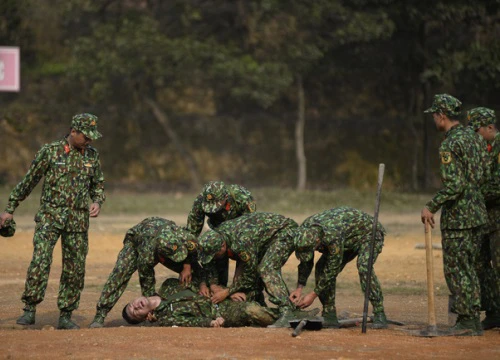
<point>215,195</point>
<point>307,240</point>
<point>83,130</point>
<point>211,245</point>
<point>483,121</point>
<point>140,310</point>
<point>445,110</point>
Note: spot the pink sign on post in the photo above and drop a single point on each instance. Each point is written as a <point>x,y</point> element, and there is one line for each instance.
<point>10,72</point>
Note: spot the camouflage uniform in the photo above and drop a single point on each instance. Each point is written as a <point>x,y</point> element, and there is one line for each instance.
<point>343,234</point>
<point>186,308</point>
<point>152,241</point>
<point>72,176</point>
<point>210,203</point>
<point>261,243</point>
<point>489,257</point>
<point>462,208</point>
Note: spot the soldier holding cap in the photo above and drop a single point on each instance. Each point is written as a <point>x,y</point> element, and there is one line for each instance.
<point>340,234</point>
<point>463,212</point>
<point>483,121</point>
<point>154,240</point>
<point>219,202</point>
<point>73,175</point>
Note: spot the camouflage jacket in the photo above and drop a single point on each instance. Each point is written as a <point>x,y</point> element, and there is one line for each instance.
<point>248,238</point>
<point>71,178</point>
<point>343,229</point>
<point>159,240</point>
<point>240,202</point>
<point>463,168</point>
<point>491,188</point>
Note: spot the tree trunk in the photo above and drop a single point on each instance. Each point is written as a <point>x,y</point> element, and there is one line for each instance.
<point>164,122</point>
<point>299,137</point>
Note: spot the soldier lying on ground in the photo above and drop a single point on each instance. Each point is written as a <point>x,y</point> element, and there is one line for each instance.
<point>186,308</point>
<point>152,241</point>
<point>340,234</point>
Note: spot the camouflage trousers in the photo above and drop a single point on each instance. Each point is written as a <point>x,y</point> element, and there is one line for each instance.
<point>460,254</point>
<point>269,269</point>
<point>358,246</point>
<point>74,252</point>
<point>488,271</point>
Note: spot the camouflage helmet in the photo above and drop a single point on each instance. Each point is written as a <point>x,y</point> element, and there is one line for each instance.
<point>446,104</point>
<point>87,124</point>
<point>480,117</point>
<point>8,229</point>
<point>214,196</point>
<point>209,244</point>
<point>305,242</point>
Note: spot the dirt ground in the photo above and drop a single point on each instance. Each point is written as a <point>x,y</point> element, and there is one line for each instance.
<point>400,268</point>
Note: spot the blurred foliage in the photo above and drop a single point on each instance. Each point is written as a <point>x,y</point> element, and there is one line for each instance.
<point>223,75</point>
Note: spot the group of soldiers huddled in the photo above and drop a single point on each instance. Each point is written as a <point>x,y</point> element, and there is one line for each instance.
<point>260,243</point>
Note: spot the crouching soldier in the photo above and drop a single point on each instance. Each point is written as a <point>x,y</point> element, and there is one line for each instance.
<point>152,241</point>
<point>185,308</point>
<point>340,234</point>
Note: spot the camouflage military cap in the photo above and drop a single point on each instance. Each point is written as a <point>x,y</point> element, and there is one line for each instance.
<point>176,251</point>
<point>209,244</point>
<point>8,229</point>
<point>445,104</point>
<point>480,117</point>
<point>87,124</point>
<point>214,196</point>
<point>305,242</point>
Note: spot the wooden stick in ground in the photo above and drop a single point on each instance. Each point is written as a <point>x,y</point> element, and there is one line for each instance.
<point>431,309</point>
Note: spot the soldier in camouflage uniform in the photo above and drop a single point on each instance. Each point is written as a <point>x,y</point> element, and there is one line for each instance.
<point>463,212</point>
<point>261,243</point>
<point>184,307</point>
<point>73,175</point>
<point>152,241</point>
<point>219,202</point>
<point>340,234</point>
<point>482,120</point>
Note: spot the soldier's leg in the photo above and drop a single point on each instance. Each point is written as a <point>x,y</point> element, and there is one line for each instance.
<point>245,313</point>
<point>483,269</point>
<point>490,281</point>
<point>375,295</point>
<point>125,266</point>
<point>38,272</point>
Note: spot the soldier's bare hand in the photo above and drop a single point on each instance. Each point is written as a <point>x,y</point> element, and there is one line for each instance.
<point>217,322</point>
<point>94,210</point>
<point>239,296</point>
<point>186,275</point>
<point>295,295</point>
<point>4,217</point>
<point>307,300</point>
<point>427,216</point>
<point>219,296</point>
<point>204,290</point>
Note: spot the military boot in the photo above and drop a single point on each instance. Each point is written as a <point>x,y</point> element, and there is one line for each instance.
<point>330,321</point>
<point>300,314</point>
<point>27,318</point>
<point>98,322</point>
<point>465,327</point>
<point>65,322</point>
<point>283,320</point>
<point>491,321</point>
<point>379,321</point>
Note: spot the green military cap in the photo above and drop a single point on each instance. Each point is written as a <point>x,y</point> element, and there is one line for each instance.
<point>209,244</point>
<point>8,229</point>
<point>480,117</point>
<point>175,250</point>
<point>214,196</point>
<point>87,124</point>
<point>305,242</point>
<point>445,104</point>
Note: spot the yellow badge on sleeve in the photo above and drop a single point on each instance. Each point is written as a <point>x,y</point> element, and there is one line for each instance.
<point>244,256</point>
<point>191,245</point>
<point>445,157</point>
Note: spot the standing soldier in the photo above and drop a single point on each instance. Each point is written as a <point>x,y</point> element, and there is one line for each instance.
<point>154,240</point>
<point>73,174</point>
<point>482,120</point>
<point>219,202</point>
<point>340,234</point>
<point>463,212</point>
<point>261,243</point>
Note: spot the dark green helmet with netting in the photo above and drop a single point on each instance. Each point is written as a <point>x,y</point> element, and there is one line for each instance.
<point>446,104</point>
<point>480,116</point>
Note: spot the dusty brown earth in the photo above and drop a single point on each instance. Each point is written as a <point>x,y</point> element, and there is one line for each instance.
<point>400,267</point>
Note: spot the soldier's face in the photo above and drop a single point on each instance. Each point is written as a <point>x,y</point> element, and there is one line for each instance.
<point>438,121</point>
<point>139,308</point>
<point>78,139</point>
<point>487,132</point>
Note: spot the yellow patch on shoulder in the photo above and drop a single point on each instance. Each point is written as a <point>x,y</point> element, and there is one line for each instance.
<point>252,207</point>
<point>209,197</point>
<point>445,157</point>
<point>191,245</point>
<point>89,165</point>
<point>244,256</point>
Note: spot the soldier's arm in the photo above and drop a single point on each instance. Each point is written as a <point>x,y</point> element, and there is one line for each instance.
<point>453,178</point>
<point>196,217</point>
<point>304,271</point>
<point>184,320</point>
<point>147,278</point>
<point>36,171</point>
<point>246,280</point>
<point>244,200</point>
<point>330,272</point>
<point>97,184</point>
<point>491,187</point>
